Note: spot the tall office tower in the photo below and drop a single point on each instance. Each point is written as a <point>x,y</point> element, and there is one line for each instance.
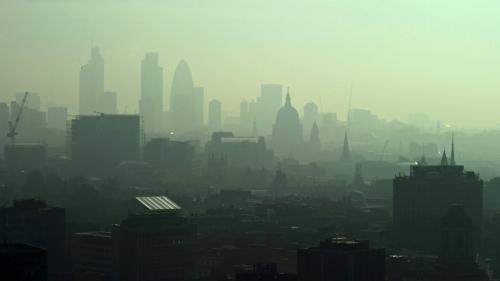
<point>268,104</point>
<point>91,82</point>
<point>107,103</point>
<point>310,116</point>
<point>154,242</point>
<point>214,115</point>
<point>182,99</point>
<point>339,259</point>
<point>199,105</point>
<point>246,120</point>
<point>33,222</point>
<point>33,101</point>
<point>100,142</point>
<point>421,199</point>
<point>57,117</point>
<point>287,130</point>
<point>328,125</point>
<point>31,126</point>
<point>151,102</point>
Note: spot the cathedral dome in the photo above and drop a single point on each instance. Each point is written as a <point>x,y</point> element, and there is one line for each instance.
<point>287,114</point>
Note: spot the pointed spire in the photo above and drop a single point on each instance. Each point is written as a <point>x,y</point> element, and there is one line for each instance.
<point>452,160</point>
<point>345,150</point>
<point>444,159</point>
<point>314,138</point>
<point>288,101</point>
<point>423,161</point>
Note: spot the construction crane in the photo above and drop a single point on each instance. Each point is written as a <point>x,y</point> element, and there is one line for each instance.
<point>13,127</point>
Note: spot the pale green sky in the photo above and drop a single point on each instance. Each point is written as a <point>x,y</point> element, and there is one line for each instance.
<point>437,56</point>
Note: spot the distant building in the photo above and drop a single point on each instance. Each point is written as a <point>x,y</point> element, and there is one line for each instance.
<point>328,126</point>
<point>154,242</point>
<point>93,256</point>
<point>214,115</point>
<point>422,198</point>
<point>311,115</point>
<point>173,157</point>
<point>32,125</point>
<point>341,259</point>
<point>267,106</point>
<point>5,117</point>
<point>91,83</point>
<point>107,103</point>
<point>287,130</point>
<point>33,222</point>
<point>22,262</point>
<point>100,142</point>
<point>57,117</point>
<point>186,101</point>
<point>240,152</point>
<point>33,101</point>
<point>263,272</point>
<point>245,118</point>
<point>151,102</point>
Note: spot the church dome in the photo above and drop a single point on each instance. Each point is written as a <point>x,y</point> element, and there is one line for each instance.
<point>287,114</point>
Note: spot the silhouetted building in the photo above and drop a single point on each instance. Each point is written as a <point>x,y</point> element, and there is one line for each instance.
<point>422,198</point>
<point>22,262</point>
<point>267,106</point>
<point>32,125</point>
<point>100,142</point>
<point>91,83</point>
<point>214,115</point>
<point>4,116</point>
<point>339,259</point>
<point>154,242</point>
<point>328,125</point>
<point>314,139</point>
<point>33,222</point>
<point>311,116</point>
<point>186,101</point>
<point>287,130</point>
<point>107,103</point>
<point>346,153</point>
<point>245,118</point>
<point>172,157</point>
<point>151,102</point>
<point>93,256</point>
<point>57,117</point>
<point>240,152</point>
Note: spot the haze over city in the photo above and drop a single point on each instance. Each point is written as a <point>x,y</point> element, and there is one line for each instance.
<point>437,57</point>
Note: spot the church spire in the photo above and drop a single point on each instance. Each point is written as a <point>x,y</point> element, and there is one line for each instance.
<point>452,160</point>
<point>444,159</point>
<point>288,101</point>
<point>314,139</point>
<point>345,150</point>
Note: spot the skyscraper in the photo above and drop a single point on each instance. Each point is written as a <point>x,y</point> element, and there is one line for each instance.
<point>245,118</point>
<point>56,117</point>
<point>214,115</point>
<point>268,104</point>
<point>310,116</point>
<point>33,101</point>
<point>107,103</point>
<point>151,102</point>
<point>91,82</point>
<point>198,103</point>
<point>184,100</point>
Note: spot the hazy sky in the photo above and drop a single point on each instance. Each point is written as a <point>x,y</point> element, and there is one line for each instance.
<point>437,56</point>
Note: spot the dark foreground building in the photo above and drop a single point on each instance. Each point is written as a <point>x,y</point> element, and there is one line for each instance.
<point>340,259</point>
<point>100,142</point>
<point>33,222</point>
<point>421,199</point>
<point>154,242</point>
<point>22,262</point>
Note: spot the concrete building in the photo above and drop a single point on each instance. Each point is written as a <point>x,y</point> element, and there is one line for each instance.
<point>422,198</point>
<point>57,117</point>
<point>267,106</point>
<point>154,242</point>
<point>107,103</point>
<point>168,156</point>
<point>93,256</point>
<point>340,259</point>
<point>214,115</point>
<point>91,83</point>
<point>287,131</point>
<point>100,142</point>
<point>33,222</point>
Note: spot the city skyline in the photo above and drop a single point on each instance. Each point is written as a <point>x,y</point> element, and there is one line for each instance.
<point>433,64</point>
